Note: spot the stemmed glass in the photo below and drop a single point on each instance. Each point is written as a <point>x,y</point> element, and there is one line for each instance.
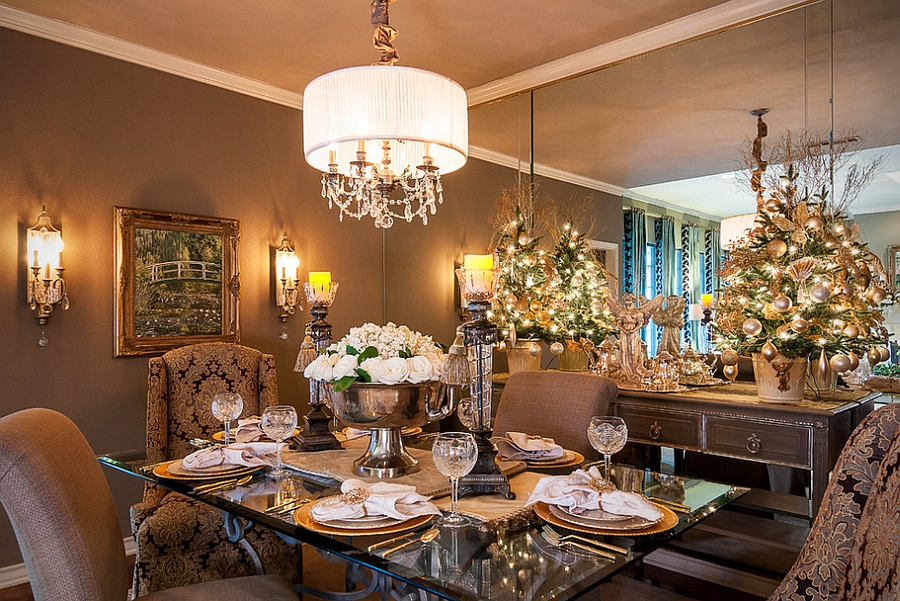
<point>278,423</point>
<point>608,436</point>
<point>454,455</point>
<point>227,406</point>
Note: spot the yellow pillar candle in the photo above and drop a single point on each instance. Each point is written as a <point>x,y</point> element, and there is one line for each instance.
<point>706,300</point>
<point>320,284</point>
<point>479,273</point>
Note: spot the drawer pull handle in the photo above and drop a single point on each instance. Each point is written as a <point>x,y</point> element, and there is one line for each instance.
<point>754,444</point>
<point>655,431</point>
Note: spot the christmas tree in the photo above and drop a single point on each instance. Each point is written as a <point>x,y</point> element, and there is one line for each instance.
<point>526,272</point>
<point>802,283</point>
<point>577,302</point>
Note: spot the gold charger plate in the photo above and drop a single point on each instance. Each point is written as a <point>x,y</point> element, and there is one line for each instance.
<point>302,517</point>
<point>668,521</point>
<point>163,471</point>
<point>220,435</point>
<point>568,459</point>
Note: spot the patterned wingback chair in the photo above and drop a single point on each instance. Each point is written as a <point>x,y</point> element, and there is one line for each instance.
<point>181,541</point>
<point>852,549</point>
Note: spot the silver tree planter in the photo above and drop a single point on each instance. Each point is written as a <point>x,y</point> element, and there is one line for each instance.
<point>385,410</point>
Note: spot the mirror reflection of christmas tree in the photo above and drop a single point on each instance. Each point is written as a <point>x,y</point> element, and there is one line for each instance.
<point>802,283</point>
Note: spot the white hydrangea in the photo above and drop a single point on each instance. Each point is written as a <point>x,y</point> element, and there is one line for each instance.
<point>425,364</point>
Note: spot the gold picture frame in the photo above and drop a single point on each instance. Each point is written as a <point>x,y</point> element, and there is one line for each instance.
<point>177,281</point>
<point>893,267</point>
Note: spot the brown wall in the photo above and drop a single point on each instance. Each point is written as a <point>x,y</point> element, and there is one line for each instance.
<point>82,133</point>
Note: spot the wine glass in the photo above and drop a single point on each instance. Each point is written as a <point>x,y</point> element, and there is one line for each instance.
<point>608,436</point>
<point>278,423</point>
<point>454,455</point>
<point>227,406</point>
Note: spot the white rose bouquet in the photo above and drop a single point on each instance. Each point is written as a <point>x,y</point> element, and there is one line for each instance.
<point>388,354</point>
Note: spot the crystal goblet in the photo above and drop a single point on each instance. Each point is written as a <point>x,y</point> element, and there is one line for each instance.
<point>608,435</point>
<point>226,407</point>
<point>278,423</point>
<point>454,455</point>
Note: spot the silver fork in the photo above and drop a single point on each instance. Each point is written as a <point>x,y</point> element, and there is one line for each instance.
<point>293,504</point>
<point>593,550</point>
<point>559,538</point>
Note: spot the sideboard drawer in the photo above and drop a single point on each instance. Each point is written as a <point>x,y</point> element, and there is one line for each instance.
<point>784,444</point>
<point>680,430</point>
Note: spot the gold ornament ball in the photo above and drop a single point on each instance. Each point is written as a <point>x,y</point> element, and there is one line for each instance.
<point>524,239</point>
<point>535,350</point>
<point>840,229</point>
<point>851,331</point>
<point>769,351</point>
<point>730,357</point>
<point>535,306</point>
<point>884,353</point>
<point>752,327</point>
<point>814,222</point>
<point>773,205</point>
<point>577,280</point>
<point>873,356</point>
<point>840,363</point>
<point>782,303</point>
<point>530,260</point>
<point>596,306</point>
<point>878,294</point>
<point>776,248</point>
<point>854,360</point>
<point>800,325</point>
<point>847,289</point>
<point>730,372</point>
<point>839,324</point>
<point>820,293</point>
<point>557,348</point>
<point>511,299</point>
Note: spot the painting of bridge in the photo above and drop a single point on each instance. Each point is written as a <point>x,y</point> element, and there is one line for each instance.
<point>178,283</point>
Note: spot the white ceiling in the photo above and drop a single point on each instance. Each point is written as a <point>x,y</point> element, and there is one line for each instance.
<point>653,124</point>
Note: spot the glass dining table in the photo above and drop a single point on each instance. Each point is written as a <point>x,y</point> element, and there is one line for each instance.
<point>514,557</point>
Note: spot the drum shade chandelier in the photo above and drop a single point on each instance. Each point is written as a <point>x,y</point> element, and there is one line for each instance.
<point>414,121</point>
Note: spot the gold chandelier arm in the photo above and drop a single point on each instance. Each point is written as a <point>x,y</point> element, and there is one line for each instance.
<point>384,34</point>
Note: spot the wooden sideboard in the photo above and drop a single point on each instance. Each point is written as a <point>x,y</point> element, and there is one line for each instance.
<point>730,421</point>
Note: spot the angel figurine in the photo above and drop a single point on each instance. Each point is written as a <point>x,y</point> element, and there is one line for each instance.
<point>630,319</point>
<point>671,320</point>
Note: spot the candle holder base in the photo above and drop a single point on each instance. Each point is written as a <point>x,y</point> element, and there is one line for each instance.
<point>315,435</point>
<point>486,477</point>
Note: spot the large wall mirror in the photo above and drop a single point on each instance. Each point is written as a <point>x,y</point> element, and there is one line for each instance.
<point>683,112</point>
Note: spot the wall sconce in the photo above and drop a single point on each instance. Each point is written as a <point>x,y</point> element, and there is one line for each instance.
<point>287,296</point>
<point>46,286</point>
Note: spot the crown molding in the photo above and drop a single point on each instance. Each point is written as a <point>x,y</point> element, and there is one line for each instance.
<point>689,27</point>
<point>476,152</point>
<point>92,41</point>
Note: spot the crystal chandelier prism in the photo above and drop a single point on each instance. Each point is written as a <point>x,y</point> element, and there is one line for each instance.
<point>382,134</point>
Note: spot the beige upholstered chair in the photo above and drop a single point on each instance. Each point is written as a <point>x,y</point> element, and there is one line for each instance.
<point>181,385</point>
<point>555,404</point>
<point>62,511</point>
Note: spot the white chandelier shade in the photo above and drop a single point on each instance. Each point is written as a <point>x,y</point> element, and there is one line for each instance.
<point>419,112</point>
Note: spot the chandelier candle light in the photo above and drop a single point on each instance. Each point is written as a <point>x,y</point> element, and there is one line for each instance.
<point>414,121</point>
<point>320,293</point>
<point>478,282</point>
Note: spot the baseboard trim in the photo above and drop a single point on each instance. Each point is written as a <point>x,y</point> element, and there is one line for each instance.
<point>16,574</point>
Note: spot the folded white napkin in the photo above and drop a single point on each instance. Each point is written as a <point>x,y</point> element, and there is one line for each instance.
<point>522,447</point>
<point>248,454</point>
<point>362,499</point>
<point>581,490</point>
<point>248,430</point>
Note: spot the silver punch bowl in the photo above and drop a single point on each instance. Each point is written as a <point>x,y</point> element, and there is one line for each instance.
<point>386,410</point>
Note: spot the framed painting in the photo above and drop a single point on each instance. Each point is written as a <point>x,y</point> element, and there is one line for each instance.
<point>607,254</point>
<point>893,267</point>
<point>177,281</point>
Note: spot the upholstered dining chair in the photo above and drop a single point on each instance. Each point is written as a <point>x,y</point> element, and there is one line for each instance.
<point>180,541</point>
<point>62,512</point>
<point>555,404</point>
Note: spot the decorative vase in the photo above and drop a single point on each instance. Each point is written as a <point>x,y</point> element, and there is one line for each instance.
<point>385,410</point>
<point>822,387</point>
<point>572,360</point>
<point>525,355</point>
<point>780,380</point>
